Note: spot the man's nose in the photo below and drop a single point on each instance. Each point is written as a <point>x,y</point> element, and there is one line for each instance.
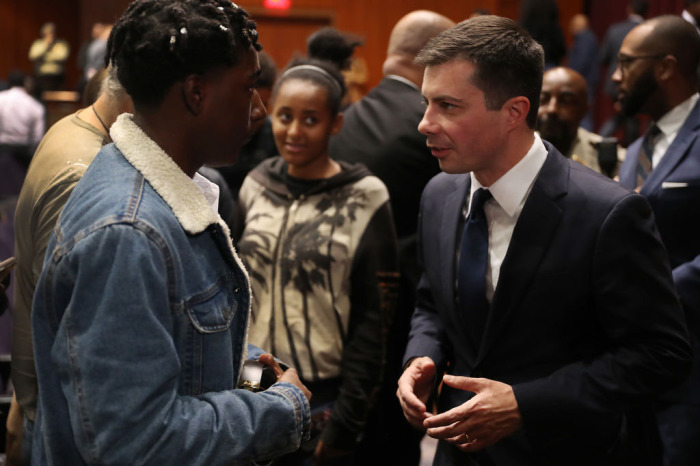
<point>427,124</point>
<point>617,74</point>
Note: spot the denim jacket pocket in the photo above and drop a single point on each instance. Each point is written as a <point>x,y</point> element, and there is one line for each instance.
<point>213,310</point>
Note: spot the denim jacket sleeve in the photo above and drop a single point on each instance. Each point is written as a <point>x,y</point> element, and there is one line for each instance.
<point>106,319</point>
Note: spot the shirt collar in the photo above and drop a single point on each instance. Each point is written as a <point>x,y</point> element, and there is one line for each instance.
<point>671,122</point>
<point>396,77</point>
<point>178,190</point>
<point>510,189</point>
<point>209,190</point>
<point>688,17</point>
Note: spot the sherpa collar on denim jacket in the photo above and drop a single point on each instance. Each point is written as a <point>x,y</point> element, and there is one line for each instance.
<point>177,189</point>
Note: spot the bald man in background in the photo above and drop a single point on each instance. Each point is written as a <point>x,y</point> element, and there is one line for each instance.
<point>563,105</point>
<point>381,131</point>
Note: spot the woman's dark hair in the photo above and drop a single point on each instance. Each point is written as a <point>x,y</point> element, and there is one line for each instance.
<point>157,43</point>
<point>329,53</point>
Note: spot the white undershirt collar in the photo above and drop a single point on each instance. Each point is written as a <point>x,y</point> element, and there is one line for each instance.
<point>510,190</point>
<point>209,190</point>
<point>670,124</point>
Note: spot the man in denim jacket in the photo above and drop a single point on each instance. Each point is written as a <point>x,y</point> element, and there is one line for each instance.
<point>140,315</point>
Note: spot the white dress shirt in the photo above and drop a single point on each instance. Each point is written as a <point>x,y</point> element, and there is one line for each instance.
<point>502,211</point>
<point>21,118</point>
<point>670,124</point>
<point>208,189</point>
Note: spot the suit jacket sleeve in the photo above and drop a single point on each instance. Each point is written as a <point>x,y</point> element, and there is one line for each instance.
<point>687,279</point>
<point>686,272</point>
<point>646,349</point>
<point>427,336</point>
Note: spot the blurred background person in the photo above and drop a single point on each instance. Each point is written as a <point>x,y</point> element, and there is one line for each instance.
<point>49,55</point>
<point>541,19</point>
<point>381,132</point>
<point>583,58</point>
<point>95,32</point>
<point>563,104</point>
<point>619,122</point>
<point>95,55</point>
<point>657,76</point>
<point>22,125</point>
<point>93,88</point>
<point>356,80</point>
<point>321,250</point>
<point>322,44</point>
<point>691,13</point>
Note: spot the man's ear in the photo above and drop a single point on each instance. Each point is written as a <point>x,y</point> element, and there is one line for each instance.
<point>516,110</point>
<point>666,68</point>
<point>193,93</point>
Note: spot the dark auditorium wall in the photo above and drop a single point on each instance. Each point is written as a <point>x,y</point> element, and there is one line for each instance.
<point>370,19</point>
<point>280,34</point>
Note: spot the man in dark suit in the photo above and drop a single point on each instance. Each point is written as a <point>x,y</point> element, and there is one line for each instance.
<point>656,75</point>
<point>381,131</point>
<point>556,318</point>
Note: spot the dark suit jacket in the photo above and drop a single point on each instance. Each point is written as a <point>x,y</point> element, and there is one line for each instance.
<point>584,323</point>
<point>381,132</point>
<point>673,190</point>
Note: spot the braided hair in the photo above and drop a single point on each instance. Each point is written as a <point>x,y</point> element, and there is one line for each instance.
<point>330,51</point>
<point>157,43</point>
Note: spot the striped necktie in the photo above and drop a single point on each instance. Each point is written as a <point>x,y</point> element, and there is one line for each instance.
<point>644,161</point>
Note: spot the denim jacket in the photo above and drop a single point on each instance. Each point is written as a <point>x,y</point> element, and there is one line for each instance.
<point>140,326</point>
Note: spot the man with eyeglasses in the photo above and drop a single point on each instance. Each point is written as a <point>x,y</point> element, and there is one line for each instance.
<point>636,11</point>
<point>656,75</point>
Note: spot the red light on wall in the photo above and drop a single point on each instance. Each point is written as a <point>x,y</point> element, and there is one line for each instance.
<point>277,4</point>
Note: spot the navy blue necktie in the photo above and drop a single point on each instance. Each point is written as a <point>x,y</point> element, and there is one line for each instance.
<point>473,258</point>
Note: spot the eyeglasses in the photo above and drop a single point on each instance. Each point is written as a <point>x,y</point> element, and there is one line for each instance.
<point>623,61</point>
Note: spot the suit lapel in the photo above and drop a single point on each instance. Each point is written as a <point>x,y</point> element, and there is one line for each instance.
<point>536,225</point>
<point>628,169</point>
<point>450,222</point>
<point>675,153</point>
